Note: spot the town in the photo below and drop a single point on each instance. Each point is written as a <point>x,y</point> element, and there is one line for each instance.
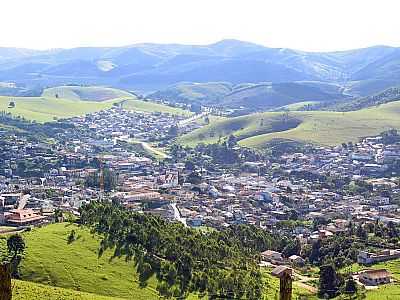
<point>308,196</point>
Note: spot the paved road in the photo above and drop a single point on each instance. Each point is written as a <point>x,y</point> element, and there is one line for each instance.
<point>177,215</point>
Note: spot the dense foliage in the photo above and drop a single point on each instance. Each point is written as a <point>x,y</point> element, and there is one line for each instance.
<point>216,264</point>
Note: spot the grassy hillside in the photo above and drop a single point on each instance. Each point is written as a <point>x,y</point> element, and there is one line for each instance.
<point>326,128</point>
<point>297,106</point>
<point>24,290</point>
<point>203,93</point>
<point>387,291</point>
<point>267,96</point>
<point>91,93</point>
<point>50,260</point>
<point>75,101</point>
<point>148,106</point>
<point>43,109</point>
<point>253,97</point>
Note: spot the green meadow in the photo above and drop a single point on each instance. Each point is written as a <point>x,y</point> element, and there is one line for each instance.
<point>317,127</point>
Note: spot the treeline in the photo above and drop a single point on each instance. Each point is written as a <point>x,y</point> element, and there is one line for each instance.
<point>217,264</point>
<point>225,152</point>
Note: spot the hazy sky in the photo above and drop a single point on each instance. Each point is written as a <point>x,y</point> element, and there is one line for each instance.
<point>302,24</point>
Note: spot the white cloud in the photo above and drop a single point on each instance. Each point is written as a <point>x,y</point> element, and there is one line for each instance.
<point>308,24</point>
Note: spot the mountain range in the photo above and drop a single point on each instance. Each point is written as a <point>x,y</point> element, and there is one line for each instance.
<point>241,65</point>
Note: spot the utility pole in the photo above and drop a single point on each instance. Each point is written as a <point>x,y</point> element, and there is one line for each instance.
<point>285,292</point>
<point>5,282</point>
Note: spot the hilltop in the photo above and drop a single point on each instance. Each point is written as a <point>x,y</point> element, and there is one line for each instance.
<point>76,101</point>
<point>25,290</point>
<point>45,262</point>
<point>319,127</point>
<point>249,96</point>
<point>86,93</point>
<point>150,66</point>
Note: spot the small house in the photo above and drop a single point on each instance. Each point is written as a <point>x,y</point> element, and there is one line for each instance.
<point>272,256</point>
<point>375,277</point>
<point>296,260</point>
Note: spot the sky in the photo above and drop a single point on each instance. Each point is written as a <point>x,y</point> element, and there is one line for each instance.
<point>312,25</point>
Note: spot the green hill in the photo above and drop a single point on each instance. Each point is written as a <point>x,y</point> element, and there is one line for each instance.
<point>148,106</point>
<point>54,269</point>
<point>252,97</point>
<point>200,93</point>
<point>319,127</point>
<point>297,106</point>
<point>43,109</point>
<point>50,260</point>
<point>24,290</point>
<point>89,93</point>
<point>71,103</point>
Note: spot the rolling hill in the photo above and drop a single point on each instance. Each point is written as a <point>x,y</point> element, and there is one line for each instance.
<point>25,290</point>
<point>86,93</point>
<point>318,127</point>
<point>149,67</point>
<point>76,101</point>
<point>42,109</point>
<point>46,274</point>
<point>200,93</point>
<point>83,271</point>
<point>261,96</point>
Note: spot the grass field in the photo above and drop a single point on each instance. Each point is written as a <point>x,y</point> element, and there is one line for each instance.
<point>90,93</point>
<point>387,291</point>
<point>43,109</point>
<point>47,109</point>
<point>318,127</point>
<point>147,106</point>
<point>24,290</point>
<point>296,106</point>
<point>272,284</point>
<point>50,260</point>
<point>144,147</point>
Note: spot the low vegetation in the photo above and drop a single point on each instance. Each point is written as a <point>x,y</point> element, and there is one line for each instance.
<point>318,127</point>
<point>85,93</point>
<point>24,290</point>
<point>51,260</point>
<point>41,109</point>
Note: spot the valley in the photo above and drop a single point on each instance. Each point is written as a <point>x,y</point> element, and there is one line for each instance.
<point>200,172</point>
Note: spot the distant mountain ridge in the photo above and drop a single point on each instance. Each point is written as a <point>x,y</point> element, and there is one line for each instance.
<point>150,67</point>
<point>253,97</point>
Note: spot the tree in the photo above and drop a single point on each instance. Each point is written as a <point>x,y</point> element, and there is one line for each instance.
<point>16,247</point>
<point>58,215</point>
<point>328,282</point>
<point>189,165</point>
<point>194,178</point>
<point>292,248</point>
<point>173,131</point>
<point>232,141</point>
<point>71,236</point>
<point>350,286</point>
<point>110,180</point>
<point>361,233</point>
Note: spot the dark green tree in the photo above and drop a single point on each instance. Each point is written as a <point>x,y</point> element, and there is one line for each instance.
<point>328,282</point>
<point>16,247</point>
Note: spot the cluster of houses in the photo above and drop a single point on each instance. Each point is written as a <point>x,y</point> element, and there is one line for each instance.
<point>38,178</point>
<point>105,127</point>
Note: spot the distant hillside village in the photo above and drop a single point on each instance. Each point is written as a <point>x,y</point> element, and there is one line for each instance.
<point>315,199</point>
